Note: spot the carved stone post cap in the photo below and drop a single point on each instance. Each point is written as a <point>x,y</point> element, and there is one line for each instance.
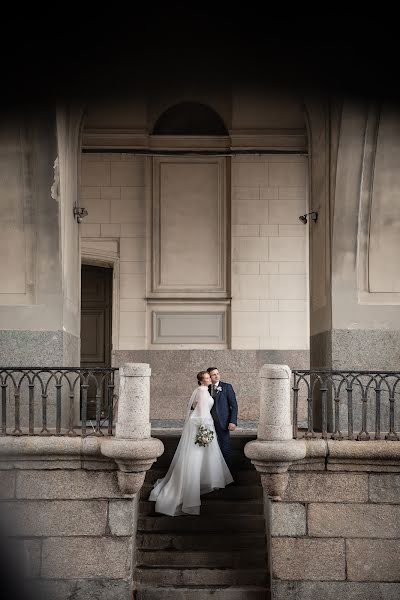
<point>135,370</point>
<point>276,451</point>
<point>133,458</point>
<point>132,449</point>
<point>270,371</point>
<point>275,484</point>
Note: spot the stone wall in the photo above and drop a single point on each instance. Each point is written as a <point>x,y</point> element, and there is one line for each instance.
<point>336,530</point>
<point>173,376</point>
<point>69,504</point>
<point>72,529</point>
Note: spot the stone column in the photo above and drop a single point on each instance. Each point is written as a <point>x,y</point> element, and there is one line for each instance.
<point>274,449</point>
<point>39,242</point>
<point>275,418</point>
<point>354,283</point>
<point>134,402</point>
<point>133,448</point>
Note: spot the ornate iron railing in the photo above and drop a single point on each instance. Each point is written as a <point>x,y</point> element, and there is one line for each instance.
<point>57,400</point>
<point>360,405</point>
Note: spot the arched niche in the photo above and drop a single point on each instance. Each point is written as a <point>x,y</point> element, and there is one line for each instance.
<point>190,118</point>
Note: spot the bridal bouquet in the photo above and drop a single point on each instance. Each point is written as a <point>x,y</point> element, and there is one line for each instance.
<point>204,436</point>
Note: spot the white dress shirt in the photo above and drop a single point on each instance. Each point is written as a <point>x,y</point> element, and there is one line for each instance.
<point>214,385</point>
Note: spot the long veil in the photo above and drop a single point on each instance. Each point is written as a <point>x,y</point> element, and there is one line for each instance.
<point>183,443</point>
<point>201,413</point>
<point>193,470</point>
<point>189,406</point>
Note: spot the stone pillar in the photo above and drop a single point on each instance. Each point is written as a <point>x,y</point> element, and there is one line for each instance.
<point>39,242</point>
<point>134,402</point>
<point>354,282</point>
<point>133,448</point>
<point>274,449</point>
<point>275,418</point>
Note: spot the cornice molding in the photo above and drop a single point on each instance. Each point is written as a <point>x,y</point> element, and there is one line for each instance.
<point>239,139</point>
<point>269,139</point>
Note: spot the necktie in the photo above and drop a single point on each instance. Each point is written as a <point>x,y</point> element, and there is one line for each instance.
<point>214,396</point>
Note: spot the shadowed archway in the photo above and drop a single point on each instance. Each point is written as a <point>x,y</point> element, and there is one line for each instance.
<point>189,118</point>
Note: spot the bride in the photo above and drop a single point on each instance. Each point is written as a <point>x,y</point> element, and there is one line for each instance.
<point>194,469</point>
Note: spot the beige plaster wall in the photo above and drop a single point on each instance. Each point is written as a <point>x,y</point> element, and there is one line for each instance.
<point>269,253</point>
<point>269,263</point>
<point>113,191</point>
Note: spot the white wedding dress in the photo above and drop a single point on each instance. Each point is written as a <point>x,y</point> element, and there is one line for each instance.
<point>194,469</point>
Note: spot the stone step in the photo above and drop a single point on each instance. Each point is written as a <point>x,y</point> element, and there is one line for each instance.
<point>243,477</point>
<point>214,507</point>
<point>204,523</point>
<point>239,462</point>
<point>201,541</point>
<point>199,593</point>
<point>238,492</point>
<point>231,492</point>
<point>200,577</point>
<point>200,558</point>
<point>237,450</point>
<point>243,466</point>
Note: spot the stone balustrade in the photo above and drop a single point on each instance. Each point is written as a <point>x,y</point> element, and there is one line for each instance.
<point>332,507</point>
<point>70,504</point>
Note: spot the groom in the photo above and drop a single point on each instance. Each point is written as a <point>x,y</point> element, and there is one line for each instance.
<point>224,412</point>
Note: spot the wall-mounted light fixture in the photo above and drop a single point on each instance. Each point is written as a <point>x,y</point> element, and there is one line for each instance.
<point>80,213</point>
<point>314,217</point>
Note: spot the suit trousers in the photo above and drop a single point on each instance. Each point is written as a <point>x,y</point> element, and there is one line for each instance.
<point>224,442</point>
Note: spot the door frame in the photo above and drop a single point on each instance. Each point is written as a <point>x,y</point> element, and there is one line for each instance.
<point>102,258</point>
<point>110,260</point>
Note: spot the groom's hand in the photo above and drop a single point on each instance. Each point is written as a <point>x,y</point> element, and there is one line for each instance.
<point>231,426</point>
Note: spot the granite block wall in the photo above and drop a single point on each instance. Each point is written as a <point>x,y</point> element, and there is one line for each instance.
<point>68,528</point>
<point>336,534</point>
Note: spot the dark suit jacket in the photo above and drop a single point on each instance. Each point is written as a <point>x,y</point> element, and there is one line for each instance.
<point>225,405</point>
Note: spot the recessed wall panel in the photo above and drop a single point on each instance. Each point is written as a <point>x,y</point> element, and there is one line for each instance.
<point>188,327</point>
<point>189,234</point>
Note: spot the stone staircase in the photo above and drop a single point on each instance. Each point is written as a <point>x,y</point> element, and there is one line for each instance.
<point>220,554</point>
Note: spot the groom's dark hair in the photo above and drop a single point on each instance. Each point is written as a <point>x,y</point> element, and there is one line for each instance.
<point>212,369</point>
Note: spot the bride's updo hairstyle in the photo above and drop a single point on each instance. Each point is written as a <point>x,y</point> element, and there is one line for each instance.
<point>200,376</point>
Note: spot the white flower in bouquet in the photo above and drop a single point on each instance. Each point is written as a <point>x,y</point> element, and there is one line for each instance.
<point>204,436</point>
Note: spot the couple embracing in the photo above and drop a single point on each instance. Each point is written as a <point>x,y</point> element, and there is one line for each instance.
<point>202,461</point>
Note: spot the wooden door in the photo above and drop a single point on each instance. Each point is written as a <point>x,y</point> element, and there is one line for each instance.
<point>96,320</point>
